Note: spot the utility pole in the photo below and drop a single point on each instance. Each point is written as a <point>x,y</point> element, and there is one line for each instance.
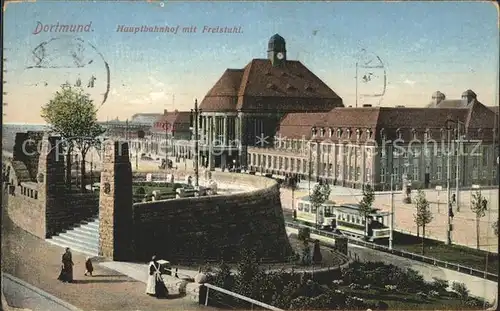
<point>448,189</point>
<point>195,115</point>
<point>356,77</point>
<point>457,173</point>
<point>391,232</point>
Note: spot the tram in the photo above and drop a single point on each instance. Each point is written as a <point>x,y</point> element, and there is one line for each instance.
<point>351,223</point>
<point>344,219</point>
<point>324,218</point>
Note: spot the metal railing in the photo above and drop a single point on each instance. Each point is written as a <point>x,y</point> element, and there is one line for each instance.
<point>401,253</point>
<point>236,304</point>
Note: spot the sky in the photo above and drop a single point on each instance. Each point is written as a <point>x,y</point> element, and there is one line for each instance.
<point>419,47</point>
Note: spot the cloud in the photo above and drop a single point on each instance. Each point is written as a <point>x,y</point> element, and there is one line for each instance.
<point>151,98</point>
<point>409,82</point>
<point>156,83</point>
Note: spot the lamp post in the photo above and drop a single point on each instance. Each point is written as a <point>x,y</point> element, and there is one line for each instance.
<point>448,179</point>
<point>391,232</point>
<point>195,113</point>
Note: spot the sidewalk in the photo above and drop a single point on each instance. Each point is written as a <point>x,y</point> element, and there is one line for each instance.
<point>37,262</point>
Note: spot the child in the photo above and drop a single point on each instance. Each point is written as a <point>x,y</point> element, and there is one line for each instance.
<point>88,267</point>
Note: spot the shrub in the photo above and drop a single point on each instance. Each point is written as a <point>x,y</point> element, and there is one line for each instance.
<point>439,285</point>
<point>407,200</point>
<point>304,234</point>
<point>140,191</point>
<point>461,290</point>
<point>473,302</point>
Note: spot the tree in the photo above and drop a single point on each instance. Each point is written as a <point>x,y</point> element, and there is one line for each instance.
<point>366,205</point>
<point>495,227</point>
<point>479,207</point>
<point>319,195</point>
<point>424,215</point>
<point>293,184</point>
<point>72,114</point>
<point>317,257</point>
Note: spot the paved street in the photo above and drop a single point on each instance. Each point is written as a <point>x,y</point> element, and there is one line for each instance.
<point>37,263</point>
<point>464,232</point>
<point>21,295</point>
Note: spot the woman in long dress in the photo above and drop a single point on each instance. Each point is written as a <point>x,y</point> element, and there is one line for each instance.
<point>66,274</point>
<point>155,286</point>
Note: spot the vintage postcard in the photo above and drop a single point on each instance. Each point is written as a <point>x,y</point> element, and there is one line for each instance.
<point>274,155</point>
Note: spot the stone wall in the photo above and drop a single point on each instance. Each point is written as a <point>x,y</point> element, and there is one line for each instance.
<point>38,201</point>
<point>26,212</point>
<point>215,227</point>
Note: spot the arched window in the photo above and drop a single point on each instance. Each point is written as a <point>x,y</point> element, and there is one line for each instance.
<point>399,133</point>
<point>358,134</point>
<point>382,134</point>
<point>322,132</point>
<point>330,132</point>
<point>368,133</point>
<point>339,133</point>
<point>314,131</point>
<point>414,133</point>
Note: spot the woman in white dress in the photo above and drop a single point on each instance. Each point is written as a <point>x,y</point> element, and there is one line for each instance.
<point>155,286</point>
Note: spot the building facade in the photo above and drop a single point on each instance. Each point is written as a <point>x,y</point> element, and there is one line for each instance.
<point>246,105</point>
<point>356,146</point>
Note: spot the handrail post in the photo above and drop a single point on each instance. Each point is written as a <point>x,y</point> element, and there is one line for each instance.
<point>206,297</point>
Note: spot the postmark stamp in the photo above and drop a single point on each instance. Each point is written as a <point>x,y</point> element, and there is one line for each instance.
<point>73,60</point>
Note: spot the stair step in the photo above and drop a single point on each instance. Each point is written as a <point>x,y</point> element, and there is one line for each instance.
<point>85,236</point>
<point>75,248</point>
<point>78,240</point>
<point>71,244</point>
<point>86,229</point>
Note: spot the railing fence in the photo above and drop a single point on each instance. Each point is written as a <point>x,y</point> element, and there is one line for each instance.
<point>401,253</point>
<point>217,297</point>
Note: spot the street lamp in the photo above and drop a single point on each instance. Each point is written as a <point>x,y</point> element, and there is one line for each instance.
<point>459,142</point>
<point>195,114</point>
<point>448,178</point>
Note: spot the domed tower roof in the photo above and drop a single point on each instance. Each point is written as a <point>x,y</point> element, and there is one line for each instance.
<point>276,41</point>
<point>469,93</point>
<point>438,95</point>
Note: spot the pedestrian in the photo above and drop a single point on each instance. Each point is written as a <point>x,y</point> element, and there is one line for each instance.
<point>155,285</point>
<point>66,274</point>
<point>88,267</point>
<point>454,198</point>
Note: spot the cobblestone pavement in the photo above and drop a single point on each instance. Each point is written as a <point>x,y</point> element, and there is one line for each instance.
<point>464,223</point>
<point>38,262</point>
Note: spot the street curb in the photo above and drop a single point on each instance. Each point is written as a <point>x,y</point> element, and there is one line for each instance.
<point>41,292</point>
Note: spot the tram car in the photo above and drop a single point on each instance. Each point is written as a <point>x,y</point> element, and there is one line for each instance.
<point>324,218</point>
<point>351,223</point>
<point>344,219</point>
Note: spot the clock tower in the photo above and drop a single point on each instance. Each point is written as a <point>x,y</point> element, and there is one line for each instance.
<point>276,51</point>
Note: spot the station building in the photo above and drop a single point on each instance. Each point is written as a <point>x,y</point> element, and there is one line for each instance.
<point>368,145</point>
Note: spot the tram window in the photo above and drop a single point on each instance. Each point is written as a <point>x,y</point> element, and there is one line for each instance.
<point>306,208</point>
<point>349,218</point>
<point>301,206</point>
<point>313,209</point>
<point>328,211</point>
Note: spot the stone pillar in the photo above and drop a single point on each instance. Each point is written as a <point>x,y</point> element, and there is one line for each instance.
<point>341,163</point>
<point>211,160</point>
<point>225,131</point>
<point>243,139</point>
<point>51,185</point>
<point>115,203</point>
<point>363,165</point>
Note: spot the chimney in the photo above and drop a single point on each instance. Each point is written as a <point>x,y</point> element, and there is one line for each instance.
<point>165,112</point>
<point>367,105</point>
<point>437,97</point>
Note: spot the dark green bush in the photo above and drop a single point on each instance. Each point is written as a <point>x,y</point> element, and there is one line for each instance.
<point>140,191</point>
<point>461,290</point>
<point>439,285</point>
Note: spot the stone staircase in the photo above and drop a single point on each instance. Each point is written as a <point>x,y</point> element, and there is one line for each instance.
<point>83,238</point>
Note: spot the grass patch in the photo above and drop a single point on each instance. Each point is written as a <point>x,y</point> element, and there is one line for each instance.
<point>396,300</point>
<point>462,255</point>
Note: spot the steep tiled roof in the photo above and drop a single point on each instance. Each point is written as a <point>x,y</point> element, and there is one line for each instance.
<point>262,86</point>
<point>178,120</point>
<point>371,122</point>
<point>495,109</point>
<point>449,103</point>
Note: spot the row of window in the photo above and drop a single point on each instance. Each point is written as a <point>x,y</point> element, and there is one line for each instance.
<point>29,192</point>
<point>414,174</point>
